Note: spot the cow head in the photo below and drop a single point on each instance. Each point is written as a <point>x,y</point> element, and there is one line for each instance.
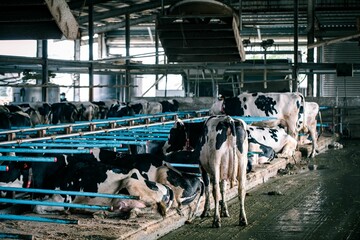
<point>177,137</point>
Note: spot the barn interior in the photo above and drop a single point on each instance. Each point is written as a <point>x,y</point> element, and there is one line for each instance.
<point>188,50</point>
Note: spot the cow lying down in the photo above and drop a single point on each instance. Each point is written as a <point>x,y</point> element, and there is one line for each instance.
<point>266,143</point>
<point>157,184</point>
<point>186,183</point>
<point>102,178</point>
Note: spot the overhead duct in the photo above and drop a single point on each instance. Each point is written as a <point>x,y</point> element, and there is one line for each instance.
<point>201,31</point>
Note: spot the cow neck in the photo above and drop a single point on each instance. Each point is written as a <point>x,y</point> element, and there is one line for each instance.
<point>223,107</point>
<point>187,146</point>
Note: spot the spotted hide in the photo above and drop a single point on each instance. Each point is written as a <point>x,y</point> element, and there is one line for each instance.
<point>258,154</point>
<point>286,107</point>
<point>283,144</point>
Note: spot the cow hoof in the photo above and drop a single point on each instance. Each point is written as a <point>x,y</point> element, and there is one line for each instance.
<point>178,210</point>
<point>216,224</point>
<point>161,207</point>
<point>243,222</point>
<point>205,214</point>
<point>225,214</point>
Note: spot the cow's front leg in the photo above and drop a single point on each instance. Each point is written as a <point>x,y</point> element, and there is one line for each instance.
<point>206,212</point>
<point>224,209</point>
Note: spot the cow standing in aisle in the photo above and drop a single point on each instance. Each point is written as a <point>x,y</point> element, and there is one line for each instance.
<point>285,107</point>
<point>221,148</point>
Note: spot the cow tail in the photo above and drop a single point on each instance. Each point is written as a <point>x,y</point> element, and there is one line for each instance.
<point>304,126</point>
<point>234,147</point>
<point>321,125</point>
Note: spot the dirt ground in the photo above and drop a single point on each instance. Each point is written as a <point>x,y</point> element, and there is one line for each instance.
<point>318,200</point>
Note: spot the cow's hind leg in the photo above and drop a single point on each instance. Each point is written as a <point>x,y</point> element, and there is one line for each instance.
<point>224,209</point>
<point>206,212</point>
<point>216,195</point>
<point>241,196</point>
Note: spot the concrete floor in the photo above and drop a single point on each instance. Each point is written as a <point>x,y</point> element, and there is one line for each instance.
<point>320,200</point>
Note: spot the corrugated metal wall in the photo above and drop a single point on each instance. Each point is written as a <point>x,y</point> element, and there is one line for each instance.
<point>331,85</point>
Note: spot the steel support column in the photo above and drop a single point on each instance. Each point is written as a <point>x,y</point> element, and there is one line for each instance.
<point>310,40</point>
<point>127,62</point>
<point>156,54</point>
<point>296,46</point>
<point>45,72</point>
<point>91,57</point>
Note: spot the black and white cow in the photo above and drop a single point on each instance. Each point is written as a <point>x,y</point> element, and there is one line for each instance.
<point>101,178</point>
<point>63,112</point>
<point>285,107</point>
<point>15,176</point>
<point>283,144</point>
<point>43,175</point>
<point>120,110</point>
<point>18,119</point>
<point>146,107</point>
<point>104,107</point>
<point>87,111</point>
<point>37,110</point>
<point>185,182</point>
<point>222,149</point>
<point>32,112</point>
<point>170,105</point>
<point>183,136</point>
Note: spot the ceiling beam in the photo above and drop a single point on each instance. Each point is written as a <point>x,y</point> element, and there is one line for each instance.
<point>64,18</point>
<point>332,41</point>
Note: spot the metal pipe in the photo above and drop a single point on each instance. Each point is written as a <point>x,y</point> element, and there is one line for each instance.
<point>4,168</point>
<point>45,203</point>
<point>31,150</point>
<point>92,132</point>
<point>74,140</point>
<point>14,235</point>
<point>86,194</point>
<point>28,159</point>
<point>129,137</point>
<point>183,165</point>
<point>64,145</point>
<point>31,218</point>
